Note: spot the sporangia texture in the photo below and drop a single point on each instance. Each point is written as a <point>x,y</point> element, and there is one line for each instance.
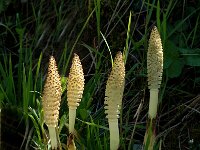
<point>154,60</point>
<point>52,94</point>
<point>115,88</point>
<point>75,85</point>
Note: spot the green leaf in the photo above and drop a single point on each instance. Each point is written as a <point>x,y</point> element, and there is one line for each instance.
<point>170,54</point>
<point>197,80</point>
<point>63,121</point>
<point>192,56</point>
<point>63,83</point>
<point>183,26</point>
<point>2,97</point>
<point>4,5</point>
<point>193,60</point>
<point>83,113</point>
<point>175,68</point>
<point>36,125</point>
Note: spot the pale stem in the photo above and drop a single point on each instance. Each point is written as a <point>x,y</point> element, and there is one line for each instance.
<point>153,103</point>
<point>72,117</point>
<point>53,137</point>
<point>114,134</point>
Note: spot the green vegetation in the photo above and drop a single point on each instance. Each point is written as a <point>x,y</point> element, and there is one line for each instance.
<point>32,31</point>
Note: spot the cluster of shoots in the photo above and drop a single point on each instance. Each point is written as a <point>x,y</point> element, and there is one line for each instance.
<point>113,95</point>
<point>52,96</point>
<point>154,74</point>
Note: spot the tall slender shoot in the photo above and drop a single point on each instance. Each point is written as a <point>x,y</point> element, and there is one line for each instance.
<point>51,101</point>
<point>113,98</point>
<point>154,73</point>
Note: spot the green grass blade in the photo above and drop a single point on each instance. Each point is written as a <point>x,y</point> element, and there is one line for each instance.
<point>158,15</point>
<point>181,23</point>
<point>98,10</point>
<point>195,31</point>
<point>20,32</point>
<point>11,85</point>
<point>36,77</point>
<point>107,47</point>
<point>76,41</point>
<point>126,49</point>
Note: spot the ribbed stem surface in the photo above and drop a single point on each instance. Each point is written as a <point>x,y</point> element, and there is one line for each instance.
<point>72,117</point>
<point>53,137</point>
<point>153,103</point>
<point>114,134</point>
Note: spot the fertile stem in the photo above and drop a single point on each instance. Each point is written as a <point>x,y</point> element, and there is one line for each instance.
<point>113,98</point>
<point>75,89</point>
<point>51,101</point>
<point>154,70</point>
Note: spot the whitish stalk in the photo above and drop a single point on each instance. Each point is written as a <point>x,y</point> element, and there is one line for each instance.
<point>153,103</point>
<point>51,101</point>
<point>114,133</point>
<point>75,89</point>
<point>52,135</point>
<point>113,98</point>
<point>72,116</point>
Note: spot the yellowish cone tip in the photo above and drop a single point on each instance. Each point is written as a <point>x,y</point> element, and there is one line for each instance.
<point>154,60</point>
<point>75,89</point>
<point>52,94</point>
<point>115,88</point>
